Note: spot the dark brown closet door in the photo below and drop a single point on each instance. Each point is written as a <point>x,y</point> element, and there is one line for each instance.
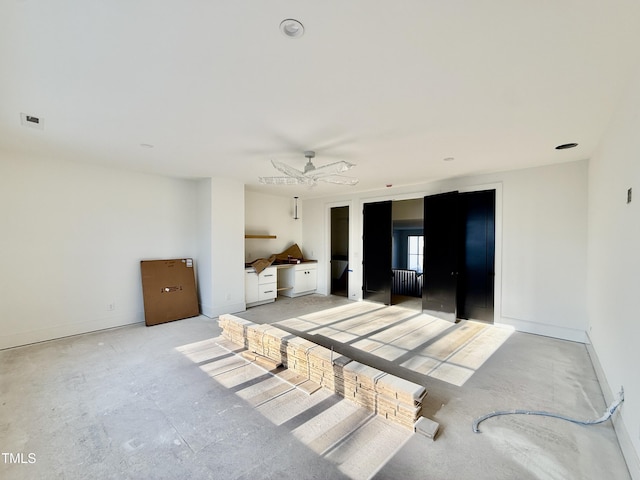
<point>376,256</point>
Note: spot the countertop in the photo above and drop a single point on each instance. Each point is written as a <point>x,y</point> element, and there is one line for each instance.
<point>283,264</point>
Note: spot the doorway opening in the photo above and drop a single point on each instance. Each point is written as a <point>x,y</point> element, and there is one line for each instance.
<point>408,252</point>
<point>340,251</point>
<point>441,261</point>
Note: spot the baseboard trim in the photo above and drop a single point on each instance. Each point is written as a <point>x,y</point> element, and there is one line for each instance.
<point>213,312</point>
<point>70,329</point>
<point>624,439</point>
<point>562,333</point>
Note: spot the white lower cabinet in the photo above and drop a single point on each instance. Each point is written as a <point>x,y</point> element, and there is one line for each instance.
<point>262,288</point>
<point>296,280</point>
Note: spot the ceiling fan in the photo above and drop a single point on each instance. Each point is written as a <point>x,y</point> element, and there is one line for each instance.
<point>311,175</point>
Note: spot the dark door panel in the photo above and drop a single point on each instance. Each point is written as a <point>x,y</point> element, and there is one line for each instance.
<point>441,245</point>
<point>340,251</point>
<point>476,282</point>
<point>377,249</point>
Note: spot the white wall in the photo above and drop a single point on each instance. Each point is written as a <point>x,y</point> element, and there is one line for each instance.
<point>541,241</point>
<point>203,247</point>
<point>227,252</point>
<point>271,215</point>
<point>614,266</point>
<point>71,243</point>
<point>545,250</point>
<point>220,227</point>
<point>407,210</point>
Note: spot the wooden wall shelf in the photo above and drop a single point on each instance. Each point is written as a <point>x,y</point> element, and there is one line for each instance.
<point>260,236</point>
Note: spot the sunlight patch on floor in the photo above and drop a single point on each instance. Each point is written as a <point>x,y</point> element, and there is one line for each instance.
<point>427,345</point>
<point>355,439</point>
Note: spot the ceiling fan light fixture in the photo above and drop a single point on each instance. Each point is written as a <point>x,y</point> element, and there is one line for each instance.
<point>309,154</point>
<point>311,175</point>
<point>291,28</point>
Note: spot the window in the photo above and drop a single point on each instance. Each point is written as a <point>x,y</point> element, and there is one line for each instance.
<point>416,252</point>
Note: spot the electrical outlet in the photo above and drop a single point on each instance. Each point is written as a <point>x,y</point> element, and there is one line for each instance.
<point>111,306</point>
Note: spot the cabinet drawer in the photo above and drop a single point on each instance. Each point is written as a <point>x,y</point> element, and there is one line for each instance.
<point>306,267</point>
<point>268,291</point>
<point>269,275</point>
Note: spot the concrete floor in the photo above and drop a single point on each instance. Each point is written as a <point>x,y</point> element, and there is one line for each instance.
<point>170,401</point>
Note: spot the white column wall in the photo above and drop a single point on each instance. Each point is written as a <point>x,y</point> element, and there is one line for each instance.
<point>204,248</point>
<point>220,244</point>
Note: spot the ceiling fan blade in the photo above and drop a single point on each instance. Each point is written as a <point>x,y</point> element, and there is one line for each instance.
<point>338,180</point>
<point>287,170</point>
<point>332,168</point>
<point>281,181</point>
<point>329,173</point>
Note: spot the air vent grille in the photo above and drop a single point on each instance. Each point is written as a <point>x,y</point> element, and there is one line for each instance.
<point>32,121</point>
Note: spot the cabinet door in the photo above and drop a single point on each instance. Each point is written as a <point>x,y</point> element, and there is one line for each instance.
<point>251,287</point>
<point>300,280</point>
<point>312,279</point>
<point>306,279</point>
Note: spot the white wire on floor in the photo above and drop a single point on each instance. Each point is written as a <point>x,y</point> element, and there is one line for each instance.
<point>607,414</point>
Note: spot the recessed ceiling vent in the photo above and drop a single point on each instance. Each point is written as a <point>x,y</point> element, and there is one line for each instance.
<point>291,28</point>
<point>564,146</point>
<point>31,121</point>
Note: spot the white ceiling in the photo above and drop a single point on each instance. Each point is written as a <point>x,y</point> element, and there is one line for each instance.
<point>394,87</point>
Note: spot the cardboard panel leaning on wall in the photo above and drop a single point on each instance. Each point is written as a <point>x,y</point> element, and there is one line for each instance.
<point>168,290</point>
<point>73,240</point>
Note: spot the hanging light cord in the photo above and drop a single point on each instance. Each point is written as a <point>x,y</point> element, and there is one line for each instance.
<point>607,414</point>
